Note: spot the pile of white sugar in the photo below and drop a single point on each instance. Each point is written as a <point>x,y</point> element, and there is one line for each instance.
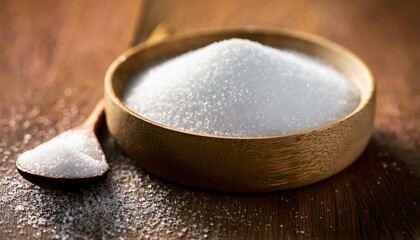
<point>73,154</point>
<point>238,87</point>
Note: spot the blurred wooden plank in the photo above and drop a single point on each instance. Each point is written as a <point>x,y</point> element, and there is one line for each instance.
<point>56,54</point>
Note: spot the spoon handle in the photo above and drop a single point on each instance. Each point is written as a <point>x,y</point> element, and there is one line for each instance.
<point>94,119</point>
<point>160,32</point>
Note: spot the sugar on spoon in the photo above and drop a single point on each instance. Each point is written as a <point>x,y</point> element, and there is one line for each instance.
<point>73,158</point>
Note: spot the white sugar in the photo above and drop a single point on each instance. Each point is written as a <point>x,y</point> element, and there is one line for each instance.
<point>242,88</point>
<point>73,154</point>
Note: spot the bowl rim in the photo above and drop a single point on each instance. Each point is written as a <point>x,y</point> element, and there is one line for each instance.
<point>313,39</point>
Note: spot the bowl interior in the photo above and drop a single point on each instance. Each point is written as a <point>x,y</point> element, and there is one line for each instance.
<point>143,55</point>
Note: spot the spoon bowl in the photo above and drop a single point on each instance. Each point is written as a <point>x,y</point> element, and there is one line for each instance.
<point>240,164</point>
<point>48,165</point>
<point>62,183</point>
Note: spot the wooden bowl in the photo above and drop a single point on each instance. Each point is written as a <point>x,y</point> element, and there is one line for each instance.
<point>240,164</point>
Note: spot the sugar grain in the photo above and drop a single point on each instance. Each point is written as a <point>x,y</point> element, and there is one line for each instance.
<point>238,87</point>
<point>71,154</point>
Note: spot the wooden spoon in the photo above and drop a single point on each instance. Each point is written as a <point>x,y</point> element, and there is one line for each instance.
<point>82,135</point>
<point>80,142</point>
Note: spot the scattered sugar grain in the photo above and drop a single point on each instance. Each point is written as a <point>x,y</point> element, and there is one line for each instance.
<point>238,87</point>
<point>140,208</point>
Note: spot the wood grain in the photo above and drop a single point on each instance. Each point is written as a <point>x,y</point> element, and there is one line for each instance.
<point>54,49</point>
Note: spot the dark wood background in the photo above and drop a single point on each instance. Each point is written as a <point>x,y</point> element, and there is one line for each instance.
<point>54,54</point>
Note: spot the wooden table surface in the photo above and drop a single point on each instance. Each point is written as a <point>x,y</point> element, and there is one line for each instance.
<point>53,57</point>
